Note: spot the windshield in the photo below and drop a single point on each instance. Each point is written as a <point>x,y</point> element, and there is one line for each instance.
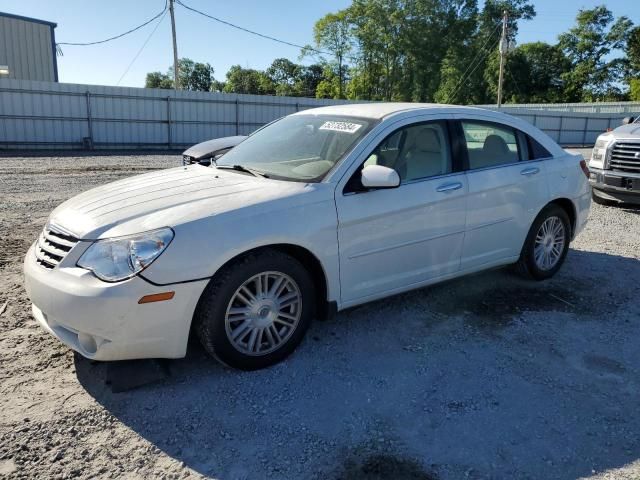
<point>298,147</point>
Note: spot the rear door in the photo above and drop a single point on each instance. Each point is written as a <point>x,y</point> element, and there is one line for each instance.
<point>506,191</point>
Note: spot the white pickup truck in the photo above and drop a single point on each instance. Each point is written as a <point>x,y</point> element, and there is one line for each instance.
<point>615,164</point>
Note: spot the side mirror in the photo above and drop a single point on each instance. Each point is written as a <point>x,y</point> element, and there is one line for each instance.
<point>627,120</point>
<point>378,176</point>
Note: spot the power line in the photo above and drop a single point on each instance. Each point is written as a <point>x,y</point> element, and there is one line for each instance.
<point>142,48</point>
<point>85,44</point>
<point>464,75</point>
<point>252,32</point>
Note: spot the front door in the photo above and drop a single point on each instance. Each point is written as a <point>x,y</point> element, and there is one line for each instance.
<point>392,239</point>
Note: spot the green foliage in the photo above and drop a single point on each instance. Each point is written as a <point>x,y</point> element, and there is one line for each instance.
<point>444,51</point>
<point>533,74</point>
<point>634,89</point>
<point>247,80</point>
<point>191,76</point>
<point>158,80</point>
<point>332,34</point>
<point>633,51</point>
<point>588,44</point>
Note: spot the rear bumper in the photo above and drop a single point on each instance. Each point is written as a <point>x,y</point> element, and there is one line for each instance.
<point>103,321</point>
<point>620,186</point>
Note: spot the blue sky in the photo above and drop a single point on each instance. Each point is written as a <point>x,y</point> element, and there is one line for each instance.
<point>204,40</point>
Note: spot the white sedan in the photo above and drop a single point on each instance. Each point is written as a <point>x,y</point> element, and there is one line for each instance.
<point>319,211</point>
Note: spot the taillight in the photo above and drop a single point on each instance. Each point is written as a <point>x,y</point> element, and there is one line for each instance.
<point>585,169</point>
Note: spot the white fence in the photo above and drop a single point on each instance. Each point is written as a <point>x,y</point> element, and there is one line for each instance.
<point>568,129</point>
<point>597,107</point>
<point>57,115</point>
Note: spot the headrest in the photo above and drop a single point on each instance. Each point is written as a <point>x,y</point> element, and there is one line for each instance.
<point>427,140</point>
<point>495,145</point>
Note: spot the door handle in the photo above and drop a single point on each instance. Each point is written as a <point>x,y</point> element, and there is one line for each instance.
<point>529,171</point>
<point>448,187</point>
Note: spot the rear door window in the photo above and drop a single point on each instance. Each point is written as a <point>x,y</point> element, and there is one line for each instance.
<point>490,144</point>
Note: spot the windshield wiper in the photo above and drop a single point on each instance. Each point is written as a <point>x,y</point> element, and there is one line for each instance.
<point>242,168</point>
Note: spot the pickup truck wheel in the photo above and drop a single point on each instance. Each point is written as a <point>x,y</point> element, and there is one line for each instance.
<point>546,245</point>
<point>256,311</point>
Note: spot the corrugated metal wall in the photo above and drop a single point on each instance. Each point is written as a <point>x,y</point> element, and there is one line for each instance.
<point>54,115</point>
<point>27,48</point>
<point>597,107</point>
<point>567,128</point>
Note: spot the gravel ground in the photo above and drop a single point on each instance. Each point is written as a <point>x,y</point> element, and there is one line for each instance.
<point>488,376</point>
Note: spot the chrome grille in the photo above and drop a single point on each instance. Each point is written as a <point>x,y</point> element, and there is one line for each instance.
<point>53,246</point>
<point>625,157</point>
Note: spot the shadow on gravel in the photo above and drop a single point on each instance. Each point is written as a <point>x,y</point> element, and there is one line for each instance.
<point>488,376</point>
<point>383,467</point>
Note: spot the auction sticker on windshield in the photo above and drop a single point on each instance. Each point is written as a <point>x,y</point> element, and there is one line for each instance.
<point>341,127</point>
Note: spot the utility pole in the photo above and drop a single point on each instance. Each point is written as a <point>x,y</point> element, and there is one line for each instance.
<point>504,46</point>
<point>176,84</point>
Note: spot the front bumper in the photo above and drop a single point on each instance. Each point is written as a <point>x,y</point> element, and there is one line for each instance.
<point>103,321</point>
<point>613,185</point>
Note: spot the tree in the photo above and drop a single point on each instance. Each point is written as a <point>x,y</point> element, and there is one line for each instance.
<point>247,80</point>
<point>332,33</point>
<point>632,65</point>
<point>594,75</point>
<point>633,50</point>
<point>634,89</point>
<point>307,80</point>
<point>329,86</point>
<point>534,73</point>
<point>283,74</point>
<point>193,76</point>
<point>158,80</point>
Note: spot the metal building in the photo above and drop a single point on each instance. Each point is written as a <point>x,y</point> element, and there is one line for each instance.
<point>27,48</point>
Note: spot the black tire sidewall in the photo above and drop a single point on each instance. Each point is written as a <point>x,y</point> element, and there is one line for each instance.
<point>528,252</point>
<point>211,311</point>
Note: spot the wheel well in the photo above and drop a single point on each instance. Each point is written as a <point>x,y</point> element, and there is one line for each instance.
<point>309,261</point>
<point>568,206</point>
<point>312,264</point>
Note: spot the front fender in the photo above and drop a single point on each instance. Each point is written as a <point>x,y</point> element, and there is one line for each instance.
<point>200,248</point>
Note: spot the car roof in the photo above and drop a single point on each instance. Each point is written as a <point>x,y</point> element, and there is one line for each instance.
<point>379,110</point>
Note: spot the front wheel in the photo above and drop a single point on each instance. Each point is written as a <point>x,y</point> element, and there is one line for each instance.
<point>256,311</point>
<point>546,245</point>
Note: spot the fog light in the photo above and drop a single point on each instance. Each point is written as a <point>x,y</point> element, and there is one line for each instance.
<point>88,343</point>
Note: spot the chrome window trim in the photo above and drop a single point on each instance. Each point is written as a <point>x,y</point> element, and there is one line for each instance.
<point>504,165</point>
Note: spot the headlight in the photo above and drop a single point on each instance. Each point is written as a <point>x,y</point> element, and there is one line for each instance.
<point>115,259</point>
<point>599,153</point>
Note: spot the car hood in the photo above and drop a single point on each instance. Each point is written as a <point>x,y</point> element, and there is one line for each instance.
<point>627,131</point>
<point>205,148</point>
<point>165,198</point>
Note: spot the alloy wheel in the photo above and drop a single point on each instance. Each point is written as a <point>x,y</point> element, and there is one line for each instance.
<point>549,243</point>
<point>263,313</point>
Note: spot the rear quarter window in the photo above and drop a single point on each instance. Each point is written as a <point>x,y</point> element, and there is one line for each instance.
<point>537,151</point>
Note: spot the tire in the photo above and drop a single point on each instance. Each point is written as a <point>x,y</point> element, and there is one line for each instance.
<point>602,201</point>
<point>532,266</point>
<point>232,306</point>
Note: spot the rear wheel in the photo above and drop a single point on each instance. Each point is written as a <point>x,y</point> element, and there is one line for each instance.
<point>256,311</point>
<point>546,245</point>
